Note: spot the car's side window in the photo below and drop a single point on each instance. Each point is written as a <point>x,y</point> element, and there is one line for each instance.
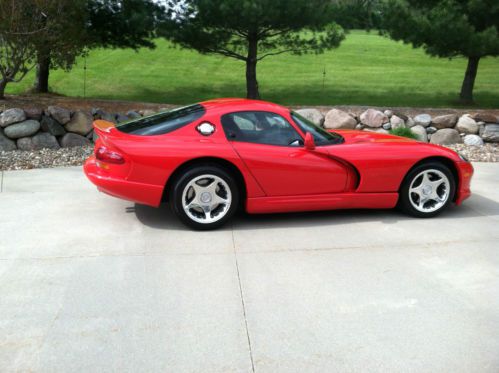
<point>260,127</point>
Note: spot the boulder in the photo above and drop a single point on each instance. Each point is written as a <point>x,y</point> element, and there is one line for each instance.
<point>336,118</point>
<point>446,136</point>
<point>466,124</point>
<point>397,122</point>
<point>120,118</point>
<point>81,123</point>
<point>51,126</point>
<point>359,126</point>
<point>444,121</point>
<point>430,130</point>
<point>473,140</point>
<point>108,117</point>
<point>313,115</point>
<point>387,126</point>
<point>44,140</point>
<point>23,129</point>
<point>11,116</point>
<point>401,116</point>
<point>486,117</point>
<point>410,122</point>
<point>491,133</point>
<point>134,115</point>
<point>377,130</point>
<point>63,116</point>
<point>33,113</point>
<point>420,132</point>
<point>25,143</point>
<point>6,144</point>
<point>388,113</point>
<point>373,118</point>
<point>422,120</point>
<point>72,139</point>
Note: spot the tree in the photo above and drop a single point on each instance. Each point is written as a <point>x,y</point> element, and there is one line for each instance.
<point>250,31</point>
<point>447,28</point>
<point>20,23</point>
<point>74,26</point>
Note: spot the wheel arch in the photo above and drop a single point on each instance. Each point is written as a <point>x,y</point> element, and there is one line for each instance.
<point>223,163</point>
<point>444,160</point>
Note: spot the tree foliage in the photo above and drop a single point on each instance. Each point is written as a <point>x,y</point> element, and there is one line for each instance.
<point>252,30</point>
<point>447,28</point>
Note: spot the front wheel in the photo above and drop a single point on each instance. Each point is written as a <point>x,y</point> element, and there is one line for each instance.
<point>427,190</point>
<point>205,197</point>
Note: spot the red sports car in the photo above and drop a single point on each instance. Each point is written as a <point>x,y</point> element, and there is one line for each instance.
<point>209,159</point>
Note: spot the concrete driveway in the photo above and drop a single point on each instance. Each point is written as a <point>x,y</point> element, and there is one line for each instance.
<point>92,283</point>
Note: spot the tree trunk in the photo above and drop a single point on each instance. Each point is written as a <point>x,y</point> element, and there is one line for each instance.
<point>251,81</point>
<point>42,73</point>
<point>466,95</point>
<point>3,84</point>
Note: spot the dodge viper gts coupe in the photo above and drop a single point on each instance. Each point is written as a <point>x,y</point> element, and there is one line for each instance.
<point>208,159</point>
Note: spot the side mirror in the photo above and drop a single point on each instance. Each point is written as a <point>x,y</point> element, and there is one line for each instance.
<point>309,141</point>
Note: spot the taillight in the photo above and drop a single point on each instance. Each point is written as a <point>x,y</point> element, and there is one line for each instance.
<point>105,155</point>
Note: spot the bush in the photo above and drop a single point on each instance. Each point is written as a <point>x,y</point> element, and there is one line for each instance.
<point>404,132</point>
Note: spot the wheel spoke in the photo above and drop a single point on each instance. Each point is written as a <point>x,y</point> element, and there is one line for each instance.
<point>429,183</point>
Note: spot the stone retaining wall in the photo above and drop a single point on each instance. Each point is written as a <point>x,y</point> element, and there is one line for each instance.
<point>55,127</point>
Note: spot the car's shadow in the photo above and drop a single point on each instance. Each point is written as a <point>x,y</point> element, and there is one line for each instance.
<point>163,218</point>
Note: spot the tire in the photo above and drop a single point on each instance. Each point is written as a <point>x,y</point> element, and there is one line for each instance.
<point>427,190</point>
<point>204,197</point>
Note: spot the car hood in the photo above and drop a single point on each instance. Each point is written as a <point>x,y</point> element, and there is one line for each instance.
<point>353,137</point>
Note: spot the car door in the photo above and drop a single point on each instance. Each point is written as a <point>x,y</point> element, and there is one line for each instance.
<point>273,151</point>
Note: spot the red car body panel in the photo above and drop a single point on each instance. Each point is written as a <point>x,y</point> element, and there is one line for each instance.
<point>365,171</point>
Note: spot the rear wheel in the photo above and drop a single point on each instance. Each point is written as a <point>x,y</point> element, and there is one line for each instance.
<point>205,197</point>
<point>427,190</point>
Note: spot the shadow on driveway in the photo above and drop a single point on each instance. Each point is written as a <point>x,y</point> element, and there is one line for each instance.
<point>163,218</point>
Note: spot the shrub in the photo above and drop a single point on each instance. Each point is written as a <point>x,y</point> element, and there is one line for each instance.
<point>404,132</point>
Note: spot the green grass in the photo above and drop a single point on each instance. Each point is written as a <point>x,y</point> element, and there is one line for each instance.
<point>366,69</point>
<point>404,132</point>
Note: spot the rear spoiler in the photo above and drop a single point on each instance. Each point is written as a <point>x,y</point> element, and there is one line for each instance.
<point>103,126</point>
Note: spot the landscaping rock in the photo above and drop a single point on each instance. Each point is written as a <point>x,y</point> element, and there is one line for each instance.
<point>387,126</point>
<point>420,132</point>
<point>430,130</point>
<point>6,144</point>
<point>51,126</point>
<point>23,129</point>
<point>486,117</point>
<point>446,136</point>
<point>44,140</point>
<point>25,144</point>
<point>377,130</point>
<point>373,118</point>
<point>72,139</point>
<point>33,113</point>
<point>11,116</point>
<point>120,118</point>
<point>81,123</point>
<point>313,115</point>
<point>109,117</point>
<point>388,113</point>
<point>336,118</point>
<point>359,126</point>
<point>148,112</point>
<point>397,122</point>
<point>444,121</point>
<point>134,115</point>
<point>491,133</point>
<point>410,122</point>
<point>466,124</point>
<point>473,140</point>
<point>422,120</point>
<point>61,115</point>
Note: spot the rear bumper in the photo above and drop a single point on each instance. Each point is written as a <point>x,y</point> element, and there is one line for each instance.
<point>119,187</point>
<point>465,172</point>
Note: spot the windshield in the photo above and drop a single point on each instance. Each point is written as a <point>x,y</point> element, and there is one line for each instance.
<point>163,122</point>
<point>321,136</point>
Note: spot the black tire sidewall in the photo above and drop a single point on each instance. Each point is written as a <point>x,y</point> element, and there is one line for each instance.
<point>405,204</point>
<point>181,182</point>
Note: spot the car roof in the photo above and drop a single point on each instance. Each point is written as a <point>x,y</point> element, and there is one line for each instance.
<point>227,105</point>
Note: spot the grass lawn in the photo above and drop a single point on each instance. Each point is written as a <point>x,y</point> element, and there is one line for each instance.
<point>365,70</point>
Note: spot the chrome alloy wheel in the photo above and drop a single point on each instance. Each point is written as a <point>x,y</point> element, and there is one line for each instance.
<point>206,199</point>
<point>429,190</point>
